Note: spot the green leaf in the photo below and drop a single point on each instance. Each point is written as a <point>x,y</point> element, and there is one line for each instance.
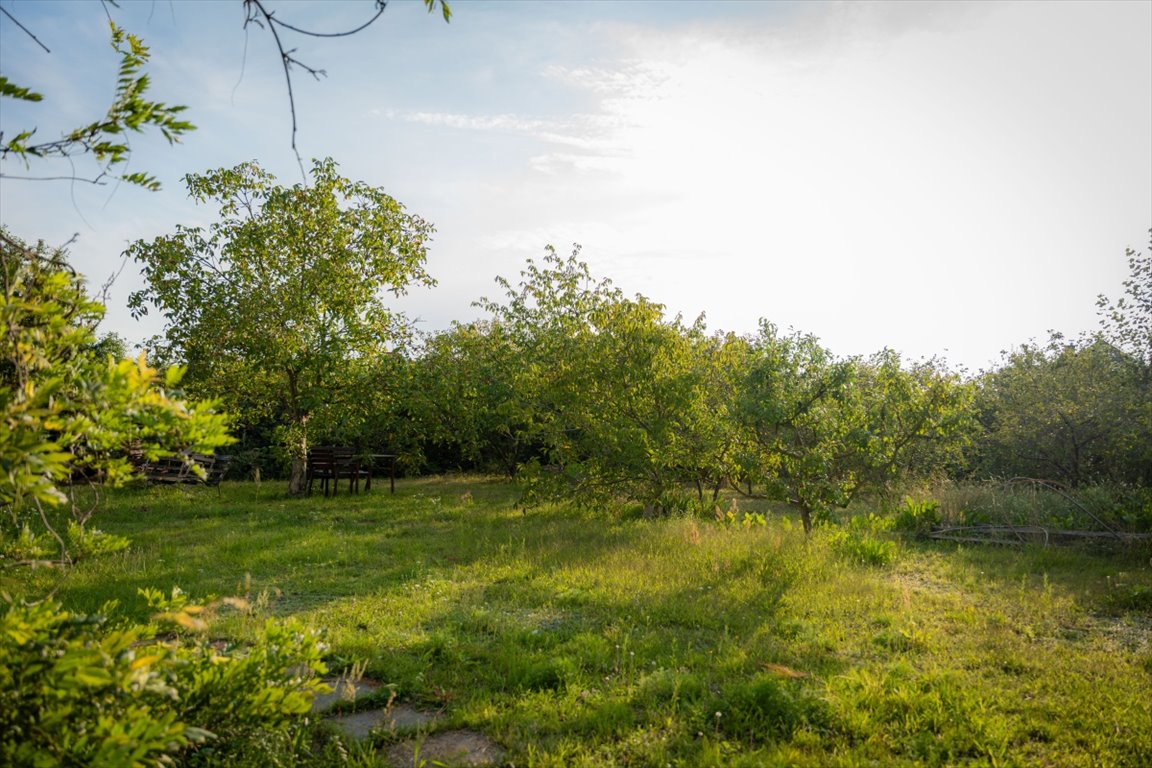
<point>11,90</point>
<point>142,179</point>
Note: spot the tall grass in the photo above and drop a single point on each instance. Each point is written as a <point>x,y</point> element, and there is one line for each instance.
<point>1021,502</point>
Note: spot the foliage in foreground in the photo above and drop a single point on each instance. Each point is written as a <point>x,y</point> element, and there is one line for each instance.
<point>69,409</point>
<point>105,139</point>
<point>90,690</point>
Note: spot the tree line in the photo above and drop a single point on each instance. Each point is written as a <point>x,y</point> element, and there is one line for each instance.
<point>278,311</point>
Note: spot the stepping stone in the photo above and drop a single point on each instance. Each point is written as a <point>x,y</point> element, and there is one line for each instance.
<point>399,717</point>
<point>344,693</point>
<point>452,748</point>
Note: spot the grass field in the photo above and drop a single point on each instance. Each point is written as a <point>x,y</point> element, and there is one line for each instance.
<point>572,639</point>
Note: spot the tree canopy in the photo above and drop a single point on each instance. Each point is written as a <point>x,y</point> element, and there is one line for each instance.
<point>1077,410</point>
<point>601,398</point>
<point>827,428</point>
<point>272,302</point>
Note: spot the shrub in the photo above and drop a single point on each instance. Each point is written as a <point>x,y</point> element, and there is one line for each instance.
<point>1123,506</point>
<point>25,545</point>
<point>84,543</point>
<point>918,516</point>
<point>76,690</point>
<point>72,692</point>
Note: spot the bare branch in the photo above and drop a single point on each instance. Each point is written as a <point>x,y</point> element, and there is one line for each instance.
<point>286,60</point>
<point>29,32</point>
<point>105,291</point>
<point>380,6</point>
<point>99,180</point>
<point>256,13</point>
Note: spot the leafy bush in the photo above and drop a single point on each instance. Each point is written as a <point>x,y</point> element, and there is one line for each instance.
<point>735,516</point>
<point>67,407</point>
<point>77,690</point>
<point>861,540</point>
<point>1128,507</point>
<point>918,516</point>
<point>91,542</point>
<point>80,543</point>
<point>73,692</point>
<point>25,545</point>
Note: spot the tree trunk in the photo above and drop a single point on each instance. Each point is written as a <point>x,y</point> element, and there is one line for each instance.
<point>298,450</point>
<point>806,518</point>
<point>296,439</point>
<point>298,479</point>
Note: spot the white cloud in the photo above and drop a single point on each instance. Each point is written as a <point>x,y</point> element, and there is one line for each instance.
<point>577,131</point>
<point>877,174</point>
<point>923,175</point>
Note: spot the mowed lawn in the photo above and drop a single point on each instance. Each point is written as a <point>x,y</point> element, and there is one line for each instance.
<point>571,637</point>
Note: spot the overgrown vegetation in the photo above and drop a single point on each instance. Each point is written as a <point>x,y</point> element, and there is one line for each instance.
<point>627,608</point>
<point>573,637</point>
<point>584,394</point>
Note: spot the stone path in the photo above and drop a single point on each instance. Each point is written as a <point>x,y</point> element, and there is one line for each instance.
<point>394,719</point>
<point>344,694</point>
<point>455,748</point>
<point>461,747</point>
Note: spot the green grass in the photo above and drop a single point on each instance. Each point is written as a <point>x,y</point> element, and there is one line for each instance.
<point>579,639</point>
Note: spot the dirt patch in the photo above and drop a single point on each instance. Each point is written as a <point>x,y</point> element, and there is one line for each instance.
<point>451,748</point>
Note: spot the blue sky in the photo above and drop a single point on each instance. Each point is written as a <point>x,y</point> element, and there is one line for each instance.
<point>941,178</point>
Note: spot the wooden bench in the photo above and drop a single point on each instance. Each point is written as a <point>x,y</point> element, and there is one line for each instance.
<point>333,463</point>
<point>179,470</point>
<point>329,464</point>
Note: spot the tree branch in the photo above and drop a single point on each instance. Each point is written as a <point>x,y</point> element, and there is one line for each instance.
<point>380,6</point>
<point>257,13</point>
<point>29,32</point>
<point>254,6</point>
<point>99,180</point>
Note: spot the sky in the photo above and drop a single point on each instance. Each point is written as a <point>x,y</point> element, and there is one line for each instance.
<point>945,179</point>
